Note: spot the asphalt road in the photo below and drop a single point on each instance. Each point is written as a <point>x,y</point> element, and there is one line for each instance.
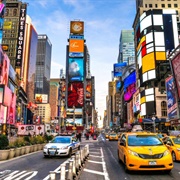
<point>102,164</point>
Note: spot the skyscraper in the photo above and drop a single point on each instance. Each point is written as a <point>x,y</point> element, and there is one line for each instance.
<point>43,67</point>
<point>126,47</point>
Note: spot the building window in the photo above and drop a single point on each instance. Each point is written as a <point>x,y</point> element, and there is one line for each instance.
<point>163,5</point>
<point>175,5</point>
<point>169,5</point>
<point>163,108</point>
<point>145,5</point>
<point>150,5</point>
<point>156,5</point>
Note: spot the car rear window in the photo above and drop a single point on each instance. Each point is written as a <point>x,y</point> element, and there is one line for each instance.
<point>143,140</point>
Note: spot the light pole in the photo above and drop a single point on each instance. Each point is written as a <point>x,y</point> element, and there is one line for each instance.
<point>154,123</point>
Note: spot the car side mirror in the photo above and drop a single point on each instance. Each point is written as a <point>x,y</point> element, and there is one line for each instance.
<point>168,143</point>
<point>122,144</point>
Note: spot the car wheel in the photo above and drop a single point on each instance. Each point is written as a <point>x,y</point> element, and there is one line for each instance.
<point>70,153</point>
<point>173,156</point>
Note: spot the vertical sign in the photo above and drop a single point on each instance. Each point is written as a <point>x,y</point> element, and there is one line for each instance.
<point>20,42</point>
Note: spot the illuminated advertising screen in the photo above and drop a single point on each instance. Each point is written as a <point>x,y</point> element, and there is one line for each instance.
<point>71,111</point>
<point>176,69</point>
<point>88,89</point>
<point>4,68</point>
<point>75,95</point>
<point>77,27</point>
<point>11,114</point>
<point>129,86</point>
<point>118,85</point>
<point>76,69</point>
<point>2,13</point>
<point>41,98</point>
<point>76,47</point>
<point>72,122</point>
<point>171,98</point>
<point>1,94</point>
<point>118,69</point>
<point>3,112</point>
<point>7,96</point>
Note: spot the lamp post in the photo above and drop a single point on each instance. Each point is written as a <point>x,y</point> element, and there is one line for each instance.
<point>154,123</point>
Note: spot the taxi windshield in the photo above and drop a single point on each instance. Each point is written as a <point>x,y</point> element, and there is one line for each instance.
<point>143,140</point>
<point>61,140</point>
<point>176,140</point>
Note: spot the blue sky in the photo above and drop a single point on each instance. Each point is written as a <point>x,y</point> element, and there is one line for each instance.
<point>103,22</point>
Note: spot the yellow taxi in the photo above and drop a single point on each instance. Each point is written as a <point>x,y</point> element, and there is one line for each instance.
<point>113,137</point>
<point>173,144</point>
<point>144,151</point>
<point>107,135</point>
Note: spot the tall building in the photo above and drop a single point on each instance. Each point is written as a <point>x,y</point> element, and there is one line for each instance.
<point>126,47</point>
<point>156,34</point>
<point>43,67</point>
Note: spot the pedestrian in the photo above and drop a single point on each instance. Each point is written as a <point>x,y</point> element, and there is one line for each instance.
<point>80,136</point>
<point>77,136</point>
<point>87,135</point>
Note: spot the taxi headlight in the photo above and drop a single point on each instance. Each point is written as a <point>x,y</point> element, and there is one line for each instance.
<point>65,147</point>
<point>133,153</point>
<point>166,153</point>
<point>178,149</point>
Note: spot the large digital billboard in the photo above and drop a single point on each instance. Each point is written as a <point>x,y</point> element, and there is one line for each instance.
<point>118,69</point>
<point>129,86</point>
<point>77,27</point>
<point>41,98</point>
<point>2,13</point>
<point>76,69</point>
<point>171,98</point>
<point>72,122</point>
<point>75,95</point>
<point>76,47</point>
<point>88,89</point>
<point>176,69</point>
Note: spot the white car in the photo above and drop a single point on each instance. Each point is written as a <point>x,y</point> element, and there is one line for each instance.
<point>61,146</point>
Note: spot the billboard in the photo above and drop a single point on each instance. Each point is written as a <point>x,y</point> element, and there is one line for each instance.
<point>118,69</point>
<point>20,39</point>
<point>11,114</point>
<point>77,27</point>
<point>71,111</point>
<point>4,68</point>
<point>171,98</point>
<point>129,86</point>
<point>76,69</point>
<point>176,69</point>
<point>41,98</point>
<point>3,112</point>
<point>75,95</point>
<point>88,89</point>
<point>72,122</point>
<point>76,47</point>
<point>2,13</point>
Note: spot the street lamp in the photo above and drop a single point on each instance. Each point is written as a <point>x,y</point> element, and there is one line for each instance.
<point>154,123</point>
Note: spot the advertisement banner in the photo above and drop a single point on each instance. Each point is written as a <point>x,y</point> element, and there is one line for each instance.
<point>88,89</point>
<point>3,112</point>
<point>76,121</point>
<point>75,95</point>
<point>118,69</point>
<point>76,69</point>
<point>11,115</point>
<point>176,68</point>
<point>76,47</point>
<point>77,27</point>
<point>171,98</point>
<point>41,98</point>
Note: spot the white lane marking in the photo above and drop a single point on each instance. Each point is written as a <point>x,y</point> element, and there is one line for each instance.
<point>94,172</point>
<point>95,152</point>
<point>26,175</point>
<point>106,176</point>
<point>34,174</point>
<point>97,162</point>
<point>12,177</point>
<point>95,156</point>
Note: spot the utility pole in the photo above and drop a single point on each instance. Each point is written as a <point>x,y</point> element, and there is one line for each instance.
<point>59,105</point>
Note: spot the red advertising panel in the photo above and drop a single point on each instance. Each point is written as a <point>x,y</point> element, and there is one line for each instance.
<point>4,68</point>
<point>88,89</point>
<point>75,95</point>
<point>77,27</point>
<point>12,110</point>
<point>176,68</point>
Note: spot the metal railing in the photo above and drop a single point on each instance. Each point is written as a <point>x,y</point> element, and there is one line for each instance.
<point>71,169</point>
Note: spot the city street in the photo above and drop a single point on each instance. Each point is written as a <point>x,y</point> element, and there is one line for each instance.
<point>102,164</point>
